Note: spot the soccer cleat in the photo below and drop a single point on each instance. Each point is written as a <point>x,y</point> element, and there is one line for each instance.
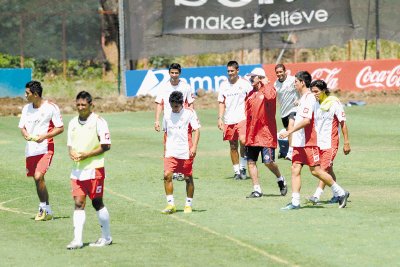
<point>243,174</point>
<point>343,200</point>
<point>290,206</point>
<point>255,194</point>
<point>42,215</point>
<point>313,200</point>
<point>101,242</point>
<point>74,245</point>
<point>334,199</point>
<point>169,209</point>
<point>187,209</point>
<point>283,187</point>
<point>237,176</point>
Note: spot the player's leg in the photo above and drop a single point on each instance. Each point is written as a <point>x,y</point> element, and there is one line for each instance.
<point>189,194</point>
<point>290,126</point>
<point>79,215</point>
<point>104,220</point>
<point>297,164</point>
<point>252,157</point>
<point>170,166</point>
<point>242,141</point>
<point>234,153</point>
<point>268,158</point>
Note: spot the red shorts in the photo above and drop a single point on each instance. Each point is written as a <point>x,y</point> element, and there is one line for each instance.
<point>327,156</point>
<point>39,163</point>
<point>93,188</point>
<point>233,131</point>
<point>184,166</point>
<point>306,155</point>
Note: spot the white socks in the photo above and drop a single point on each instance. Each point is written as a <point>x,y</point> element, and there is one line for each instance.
<point>257,188</point>
<point>318,193</point>
<point>79,219</point>
<point>295,199</point>
<point>236,168</point>
<point>189,201</point>
<point>104,220</point>
<point>337,190</point>
<point>170,200</point>
<point>243,163</point>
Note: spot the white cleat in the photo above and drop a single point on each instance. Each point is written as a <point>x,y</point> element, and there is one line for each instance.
<point>74,245</point>
<point>101,242</point>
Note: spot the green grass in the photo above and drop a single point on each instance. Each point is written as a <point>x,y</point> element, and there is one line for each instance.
<point>226,229</point>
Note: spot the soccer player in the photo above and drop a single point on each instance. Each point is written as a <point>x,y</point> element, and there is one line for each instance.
<point>329,114</point>
<point>88,140</point>
<point>232,117</point>
<point>40,122</point>
<point>305,148</point>
<point>261,131</point>
<point>180,149</point>
<point>288,98</point>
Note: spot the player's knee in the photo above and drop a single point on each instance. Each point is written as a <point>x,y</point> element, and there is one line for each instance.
<point>97,203</point>
<point>189,179</point>
<point>168,177</point>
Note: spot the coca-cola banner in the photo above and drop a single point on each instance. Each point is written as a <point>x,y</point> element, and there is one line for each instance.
<point>350,75</point>
<point>245,16</point>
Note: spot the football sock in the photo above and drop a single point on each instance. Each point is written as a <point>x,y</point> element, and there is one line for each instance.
<point>189,201</point>
<point>337,190</point>
<point>42,205</point>
<point>48,209</point>
<point>236,168</point>
<point>104,220</point>
<point>281,178</point>
<point>243,163</point>
<point>295,199</point>
<point>79,220</point>
<point>318,193</point>
<point>333,193</point>
<point>170,200</point>
<point>257,188</point>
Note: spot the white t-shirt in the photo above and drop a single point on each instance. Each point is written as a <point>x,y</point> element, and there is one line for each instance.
<point>287,95</point>
<point>177,126</point>
<point>38,121</point>
<point>233,96</point>
<point>103,134</point>
<point>168,88</point>
<point>305,110</point>
<point>327,125</point>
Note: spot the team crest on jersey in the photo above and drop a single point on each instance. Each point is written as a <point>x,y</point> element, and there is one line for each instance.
<point>305,110</point>
<point>107,136</point>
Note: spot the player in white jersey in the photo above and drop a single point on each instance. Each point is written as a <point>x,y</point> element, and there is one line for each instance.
<point>180,149</point>
<point>329,114</point>
<point>288,98</point>
<point>232,118</point>
<point>40,122</point>
<point>88,140</point>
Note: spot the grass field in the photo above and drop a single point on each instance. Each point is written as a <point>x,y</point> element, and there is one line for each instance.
<point>225,229</point>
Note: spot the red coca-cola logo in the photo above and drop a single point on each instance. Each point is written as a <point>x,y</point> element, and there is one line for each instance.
<point>378,78</point>
<point>328,75</point>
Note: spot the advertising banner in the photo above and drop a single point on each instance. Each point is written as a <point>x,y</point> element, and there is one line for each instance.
<point>12,81</point>
<point>150,82</point>
<point>249,16</point>
<point>350,75</point>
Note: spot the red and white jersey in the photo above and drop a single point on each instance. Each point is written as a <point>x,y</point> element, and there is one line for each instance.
<point>306,136</point>
<point>38,121</point>
<point>178,127</point>
<point>327,125</point>
<point>233,96</point>
<point>168,88</point>
<point>260,117</point>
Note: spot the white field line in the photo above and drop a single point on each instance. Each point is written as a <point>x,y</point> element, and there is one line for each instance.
<point>208,230</point>
<point>10,209</point>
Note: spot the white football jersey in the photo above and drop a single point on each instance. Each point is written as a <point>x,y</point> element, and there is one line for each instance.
<point>168,88</point>
<point>287,95</point>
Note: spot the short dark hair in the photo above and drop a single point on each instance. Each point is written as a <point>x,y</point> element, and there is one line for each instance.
<point>176,97</point>
<point>35,87</point>
<point>304,76</point>
<point>175,66</point>
<point>321,85</point>
<point>233,63</point>
<point>84,95</point>
<point>280,66</point>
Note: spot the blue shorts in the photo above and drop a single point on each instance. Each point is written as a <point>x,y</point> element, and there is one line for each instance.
<point>267,154</point>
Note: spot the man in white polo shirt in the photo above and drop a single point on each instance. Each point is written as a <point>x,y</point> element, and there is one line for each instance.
<point>88,140</point>
<point>40,122</point>
<point>232,117</point>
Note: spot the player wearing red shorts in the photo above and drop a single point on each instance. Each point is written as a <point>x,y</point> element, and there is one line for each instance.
<point>88,140</point>
<point>40,122</point>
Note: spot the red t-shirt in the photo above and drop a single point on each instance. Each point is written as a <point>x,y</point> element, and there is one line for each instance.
<point>260,117</point>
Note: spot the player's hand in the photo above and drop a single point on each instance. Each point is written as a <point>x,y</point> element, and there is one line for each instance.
<point>283,134</point>
<point>220,124</point>
<point>39,138</point>
<point>157,126</point>
<point>346,148</point>
<point>192,152</point>
<point>74,155</point>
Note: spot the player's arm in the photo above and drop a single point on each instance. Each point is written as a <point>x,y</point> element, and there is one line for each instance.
<point>221,111</point>
<point>159,108</point>
<point>25,134</point>
<point>346,145</point>
<point>196,137</point>
<point>54,132</point>
<point>303,123</point>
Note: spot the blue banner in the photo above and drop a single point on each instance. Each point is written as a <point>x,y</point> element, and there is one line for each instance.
<point>12,81</point>
<point>149,82</point>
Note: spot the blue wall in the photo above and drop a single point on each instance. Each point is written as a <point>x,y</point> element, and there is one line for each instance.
<point>12,81</point>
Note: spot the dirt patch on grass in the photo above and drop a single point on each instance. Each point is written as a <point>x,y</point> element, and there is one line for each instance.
<point>13,106</point>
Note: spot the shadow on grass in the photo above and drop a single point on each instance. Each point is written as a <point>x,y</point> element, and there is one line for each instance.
<point>54,218</point>
<point>193,211</point>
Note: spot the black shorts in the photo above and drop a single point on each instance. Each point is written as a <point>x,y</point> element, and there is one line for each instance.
<point>285,120</point>
<point>267,153</point>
